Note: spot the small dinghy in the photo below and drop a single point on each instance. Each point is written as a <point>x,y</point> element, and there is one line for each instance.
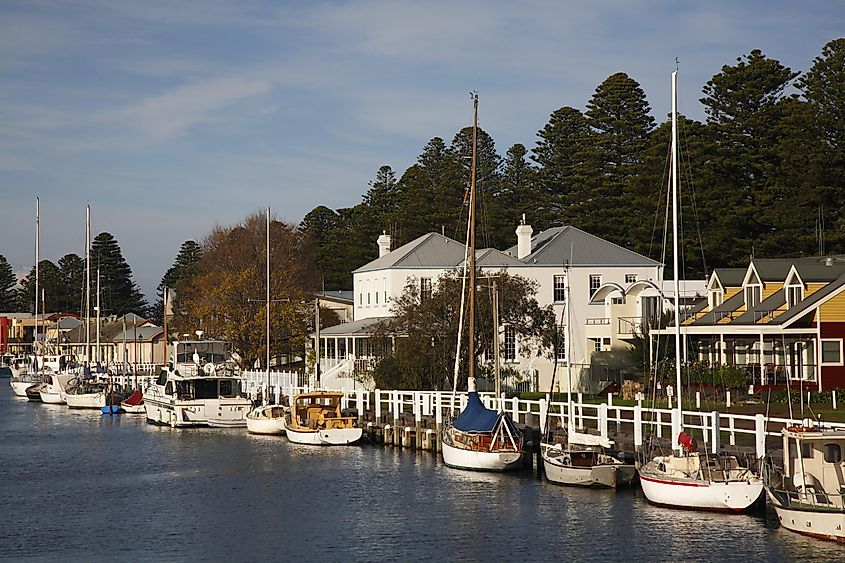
<point>134,403</point>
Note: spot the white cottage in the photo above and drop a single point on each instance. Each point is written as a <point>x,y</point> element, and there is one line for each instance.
<point>554,258</point>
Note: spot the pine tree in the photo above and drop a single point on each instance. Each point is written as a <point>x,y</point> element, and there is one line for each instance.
<point>562,178</point>
<point>745,119</point>
<point>118,292</point>
<point>618,115</point>
<point>7,286</point>
<point>517,195</point>
<point>184,267</point>
<point>50,289</point>
<point>823,86</point>
<point>72,270</point>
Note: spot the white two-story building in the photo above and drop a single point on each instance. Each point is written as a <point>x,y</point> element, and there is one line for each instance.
<point>598,275</point>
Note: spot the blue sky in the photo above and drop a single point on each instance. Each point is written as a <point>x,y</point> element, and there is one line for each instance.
<point>172,117</point>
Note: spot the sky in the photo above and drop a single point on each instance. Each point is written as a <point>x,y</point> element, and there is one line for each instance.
<point>169,118</point>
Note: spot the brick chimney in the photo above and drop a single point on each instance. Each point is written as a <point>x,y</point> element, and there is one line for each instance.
<point>383,242</point>
<point>523,239</point>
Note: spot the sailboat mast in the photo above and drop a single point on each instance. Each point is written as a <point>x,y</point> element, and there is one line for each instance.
<point>675,249</point>
<point>98,314</point>
<point>88,283</point>
<point>497,366</point>
<point>267,327</point>
<point>37,260</point>
<point>471,359</point>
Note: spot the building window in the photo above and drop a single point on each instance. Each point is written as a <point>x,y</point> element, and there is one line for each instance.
<point>716,296</point>
<point>560,289</point>
<point>616,301</point>
<point>595,283</point>
<point>368,298</point>
<point>425,289</point>
<point>510,344</point>
<point>376,297</point>
<point>832,352</point>
<point>561,343</point>
<point>630,278</point>
<point>597,343</point>
<point>832,453</point>
<point>794,295</point>
<point>606,344</point>
<point>753,295</point>
<point>385,296</point>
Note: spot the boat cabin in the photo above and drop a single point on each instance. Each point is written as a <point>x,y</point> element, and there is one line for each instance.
<point>319,411</point>
<point>813,464</point>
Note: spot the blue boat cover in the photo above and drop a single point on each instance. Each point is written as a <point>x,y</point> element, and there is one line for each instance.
<point>476,417</point>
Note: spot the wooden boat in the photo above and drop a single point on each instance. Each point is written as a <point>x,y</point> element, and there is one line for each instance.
<point>806,488</point>
<point>479,438</point>
<point>316,419</point>
<point>586,461</point>
<point>266,419</point>
<point>33,392</point>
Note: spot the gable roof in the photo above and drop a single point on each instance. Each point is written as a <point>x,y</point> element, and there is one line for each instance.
<point>730,277</point>
<point>491,257</point>
<point>431,250</point>
<point>569,244</point>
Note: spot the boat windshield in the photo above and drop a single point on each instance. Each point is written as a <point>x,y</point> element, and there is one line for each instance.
<point>208,351</point>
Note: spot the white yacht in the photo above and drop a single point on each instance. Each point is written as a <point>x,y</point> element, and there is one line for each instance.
<point>201,386</point>
<point>806,489</point>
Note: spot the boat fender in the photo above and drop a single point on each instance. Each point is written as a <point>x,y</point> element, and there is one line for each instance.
<point>687,441</point>
<point>208,368</point>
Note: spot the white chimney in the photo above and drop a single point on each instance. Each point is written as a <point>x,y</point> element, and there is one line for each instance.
<point>383,244</point>
<point>523,239</point>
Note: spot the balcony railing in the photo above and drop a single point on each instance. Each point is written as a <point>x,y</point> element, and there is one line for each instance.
<point>598,321</point>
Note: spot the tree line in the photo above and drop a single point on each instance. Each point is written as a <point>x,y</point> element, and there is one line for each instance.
<point>764,175</point>
<point>63,283</point>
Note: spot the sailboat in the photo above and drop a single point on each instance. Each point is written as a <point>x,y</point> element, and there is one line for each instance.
<point>479,438</point>
<point>581,459</point>
<point>26,374</point>
<point>687,478</point>
<point>267,419</point>
<point>88,391</point>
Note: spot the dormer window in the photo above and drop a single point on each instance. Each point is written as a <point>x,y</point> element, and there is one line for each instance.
<point>753,296</point>
<point>794,295</point>
<point>715,297</point>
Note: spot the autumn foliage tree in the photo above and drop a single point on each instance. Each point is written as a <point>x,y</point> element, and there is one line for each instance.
<point>225,298</point>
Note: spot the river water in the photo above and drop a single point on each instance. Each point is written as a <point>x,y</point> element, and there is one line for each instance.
<point>80,486</point>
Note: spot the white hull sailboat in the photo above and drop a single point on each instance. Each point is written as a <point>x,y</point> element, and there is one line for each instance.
<point>461,458</point>
<point>53,390</point>
<point>806,490</point>
<point>315,419</point>
<point>587,465</point>
<point>686,478</point>
<point>19,385</point>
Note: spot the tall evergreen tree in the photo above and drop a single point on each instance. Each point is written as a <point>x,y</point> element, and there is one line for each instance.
<point>745,118</point>
<point>7,286</point>
<point>50,286</point>
<point>487,177</point>
<point>72,271</point>
<point>823,86</point>
<point>184,267</point>
<point>118,292</point>
<point>618,114</point>
<point>517,194</point>
<point>562,178</point>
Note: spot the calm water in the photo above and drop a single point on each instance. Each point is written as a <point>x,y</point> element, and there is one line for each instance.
<point>75,486</point>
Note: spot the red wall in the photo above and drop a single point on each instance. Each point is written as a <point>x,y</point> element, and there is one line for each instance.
<point>833,377</point>
<point>5,327</point>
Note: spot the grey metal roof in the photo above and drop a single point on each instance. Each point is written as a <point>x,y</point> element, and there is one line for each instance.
<point>341,295</point>
<point>490,257</point>
<point>143,333</point>
<point>811,301</point>
<point>819,272</point>
<point>767,306</point>
<point>772,269</point>
<point>728,306</point>
<point>730,277</point>
<point>569,244</point>
<point>362,327</point>
<point>431,250</point>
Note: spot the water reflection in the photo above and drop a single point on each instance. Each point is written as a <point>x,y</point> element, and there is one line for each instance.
<point>159,493</point>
